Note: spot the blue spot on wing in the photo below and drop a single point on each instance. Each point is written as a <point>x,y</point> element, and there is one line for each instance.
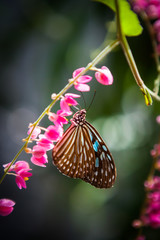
<point>95,146</point>
<point>104,147</point>
<point>97,162</point>
<point>91,135</point>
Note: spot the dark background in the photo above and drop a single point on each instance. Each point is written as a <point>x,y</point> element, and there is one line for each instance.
<point>41,43</point>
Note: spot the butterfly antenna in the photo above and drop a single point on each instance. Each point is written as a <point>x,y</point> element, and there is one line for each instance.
<point>72,107</point>
<point>83,100</point>
<point>92,100</point>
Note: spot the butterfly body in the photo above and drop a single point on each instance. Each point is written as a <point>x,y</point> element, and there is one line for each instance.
<point>82,153</point>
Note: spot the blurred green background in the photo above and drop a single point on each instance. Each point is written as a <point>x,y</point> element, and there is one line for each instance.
<point>41,43</point>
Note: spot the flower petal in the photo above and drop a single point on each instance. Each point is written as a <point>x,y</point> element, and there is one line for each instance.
<point>6,206</point>
<point>73,95</point>
<point>84,79</point>
<point>20,182</point>
<point>54,133</point>
<point>71,101</point>
<point>45,142</point>
<point>82,87</point>
<point>19,165</point>
<point>38,151</point>
<point>35,132</point>
<point>64,106</point>
<point>39,161</point>
<point>77,71</point>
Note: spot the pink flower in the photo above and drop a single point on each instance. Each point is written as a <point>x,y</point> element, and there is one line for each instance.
<point>58,118</point>
<point>68,100</point>
<point>39,156</point>
<point>158,119</point>
<point>21,178</point>
<point>79,84</point>
<point>21,165</point>
<point>44,142</point>
<point>54,133</point>
<point>35,132</point>
<point>38,151</point>
<point>6,206</point>
<point>156,151</point>
<point>153,11</point>
<point>153,184</point>
<point>21,171</point>
<point>104,76</point>
<point>139,5</point>
<point>41,161</point>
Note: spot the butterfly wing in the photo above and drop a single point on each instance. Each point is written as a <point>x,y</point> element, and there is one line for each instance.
<point>81,153</point>
<point>73,155</point>
<point>104,171</point>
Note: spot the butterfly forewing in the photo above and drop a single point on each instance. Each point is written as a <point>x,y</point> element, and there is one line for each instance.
<point>81,153</point>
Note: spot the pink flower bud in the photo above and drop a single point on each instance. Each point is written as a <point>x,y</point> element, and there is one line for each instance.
<point>158,119</point>
<point>104,76</point>
<point>6,206</point>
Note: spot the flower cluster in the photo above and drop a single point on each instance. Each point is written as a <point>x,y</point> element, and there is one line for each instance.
<point>152,10</point>
<point>21,171</point>
<point>150,215</point>
<point>53,133</point>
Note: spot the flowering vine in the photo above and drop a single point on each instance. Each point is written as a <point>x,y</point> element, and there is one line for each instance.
<point>150,212</point>
<point>46,137</point>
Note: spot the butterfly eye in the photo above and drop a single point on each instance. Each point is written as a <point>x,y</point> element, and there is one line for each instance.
<point>82,153</point>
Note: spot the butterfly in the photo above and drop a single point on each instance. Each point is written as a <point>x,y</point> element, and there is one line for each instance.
<point>82,153</point>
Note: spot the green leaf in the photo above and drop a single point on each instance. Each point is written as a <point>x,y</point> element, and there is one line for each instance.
<point>129,20</point>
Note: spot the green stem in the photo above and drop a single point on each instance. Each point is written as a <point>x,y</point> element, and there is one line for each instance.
<point>14,159</point>
<point>96,60</point>
<point>130,59</point>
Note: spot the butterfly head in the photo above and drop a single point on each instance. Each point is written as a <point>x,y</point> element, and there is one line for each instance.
<point>79,117</point>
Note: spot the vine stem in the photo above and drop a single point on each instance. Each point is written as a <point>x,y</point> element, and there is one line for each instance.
<point>96,60</point>
<point>129,56</point>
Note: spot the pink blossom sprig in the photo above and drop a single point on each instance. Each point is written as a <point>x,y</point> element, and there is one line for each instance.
<point>150,213</point>
<point>46,137</point>
<point>151,9</point>
<point>21,171</point>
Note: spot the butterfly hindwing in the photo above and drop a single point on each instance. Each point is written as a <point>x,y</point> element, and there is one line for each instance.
<point>104,167</point>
